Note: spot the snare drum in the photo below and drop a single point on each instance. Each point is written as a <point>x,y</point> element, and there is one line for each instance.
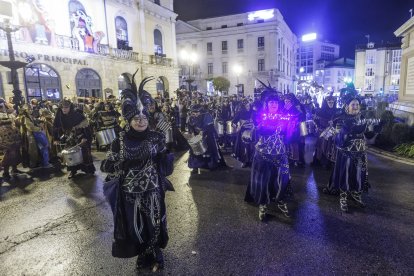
<point>303,129</point>
<point>72,156</point>
<point>247,136</point>
<point>105,136</point>
<point>231,130</point>
<point>311,127</point>
<point>198,145</point>
<point>219,127</point>
<point>169,138</point>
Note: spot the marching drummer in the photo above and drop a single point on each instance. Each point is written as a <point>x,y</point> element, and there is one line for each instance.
<point>201,123</point>
<point>75,129</point>
<point>243,149</point>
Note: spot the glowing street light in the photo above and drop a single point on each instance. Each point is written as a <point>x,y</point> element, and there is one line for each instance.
<point>189,58</point>
<point>238,70</point>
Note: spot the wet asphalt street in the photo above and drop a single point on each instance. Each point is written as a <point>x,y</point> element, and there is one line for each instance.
<point>55,226</point>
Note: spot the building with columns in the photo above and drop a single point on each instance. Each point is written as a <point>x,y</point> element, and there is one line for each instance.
<point>85,48</point>
<point>377,68</point>
<point>404,107</point>
<point>243,48</point>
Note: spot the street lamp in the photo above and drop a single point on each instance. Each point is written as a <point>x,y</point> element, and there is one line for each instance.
<point>189,58</point>
<point>8,28</point>
<point>238,70</point>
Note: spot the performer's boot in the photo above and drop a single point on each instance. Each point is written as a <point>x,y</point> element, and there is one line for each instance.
<point>358,198</point>
<point>283,207</point>
<point>262,212</point>
<point>343,201</point>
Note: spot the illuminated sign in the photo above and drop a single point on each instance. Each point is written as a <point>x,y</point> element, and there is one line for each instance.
<point>309,37</point>
<point>263,14</point>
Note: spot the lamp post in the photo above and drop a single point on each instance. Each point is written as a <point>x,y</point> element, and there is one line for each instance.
<point>189,59</point>
<point>12,63</point>
<point>237,70</point>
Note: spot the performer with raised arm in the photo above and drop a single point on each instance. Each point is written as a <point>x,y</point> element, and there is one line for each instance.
<point>270,169</point>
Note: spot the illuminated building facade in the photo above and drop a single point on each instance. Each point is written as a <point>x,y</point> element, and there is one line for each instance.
<point>242,48</point>
<point>377,68</point>
<point>312,51</point>
<point>85,48</point>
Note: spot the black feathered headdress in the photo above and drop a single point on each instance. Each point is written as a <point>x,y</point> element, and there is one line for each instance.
<point>268,91</point>
<point>134,100</point>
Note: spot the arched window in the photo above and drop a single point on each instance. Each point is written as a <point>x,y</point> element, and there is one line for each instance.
<point>158,42</point>
<point>88,83</point>
<point>42,82</point>
<point>121,28</point>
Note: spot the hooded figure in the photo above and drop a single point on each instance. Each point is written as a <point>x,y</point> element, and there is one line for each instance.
<point>73,129</point>
<point>137,166</point>
<point>325,152</point>
<point>349,176</point>
<point>201,123</point>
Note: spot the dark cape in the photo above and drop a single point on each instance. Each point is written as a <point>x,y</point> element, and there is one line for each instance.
<point>351,166</point>
<point>137,198</point>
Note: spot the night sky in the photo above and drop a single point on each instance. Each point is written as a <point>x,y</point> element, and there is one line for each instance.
<point>344,22</point>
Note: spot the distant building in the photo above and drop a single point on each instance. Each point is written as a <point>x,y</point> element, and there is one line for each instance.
<point>377,68</point>
<point>241,47</point>
<point>311,54</point>
<point>333,75</point>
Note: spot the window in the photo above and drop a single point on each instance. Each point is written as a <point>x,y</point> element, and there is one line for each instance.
<point>224,67</point>
<point>157,2</point>
<point>260,41</point>
<point>224,46</point>
<point>260,20</point>
<point>223,26</point>
<point>209,48</point>
<point>210,68</point>
<point>369,72</point>
<point>240,43</point>
<point>239,24</point>
<point>158,42</point>
<point>121,33</point>
<point>208,28</point>
<point>261,65</point>
<point>327,49</point>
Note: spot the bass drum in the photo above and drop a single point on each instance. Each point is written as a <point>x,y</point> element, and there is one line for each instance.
<point>198,145</point>
<point>72,156</point>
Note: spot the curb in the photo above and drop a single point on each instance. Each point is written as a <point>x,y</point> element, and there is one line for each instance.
<point>391,156</point>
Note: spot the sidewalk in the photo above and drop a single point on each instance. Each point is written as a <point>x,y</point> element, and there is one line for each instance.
<point>390,155</point>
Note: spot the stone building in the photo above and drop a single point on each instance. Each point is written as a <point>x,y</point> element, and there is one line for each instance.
<point>85,48</point>
<point>377,68</point>
<point>241,47</point>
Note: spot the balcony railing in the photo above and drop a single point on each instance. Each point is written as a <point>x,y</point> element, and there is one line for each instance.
<point>66,42</point>
<point>102,49</point>
<point>161,61</point>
